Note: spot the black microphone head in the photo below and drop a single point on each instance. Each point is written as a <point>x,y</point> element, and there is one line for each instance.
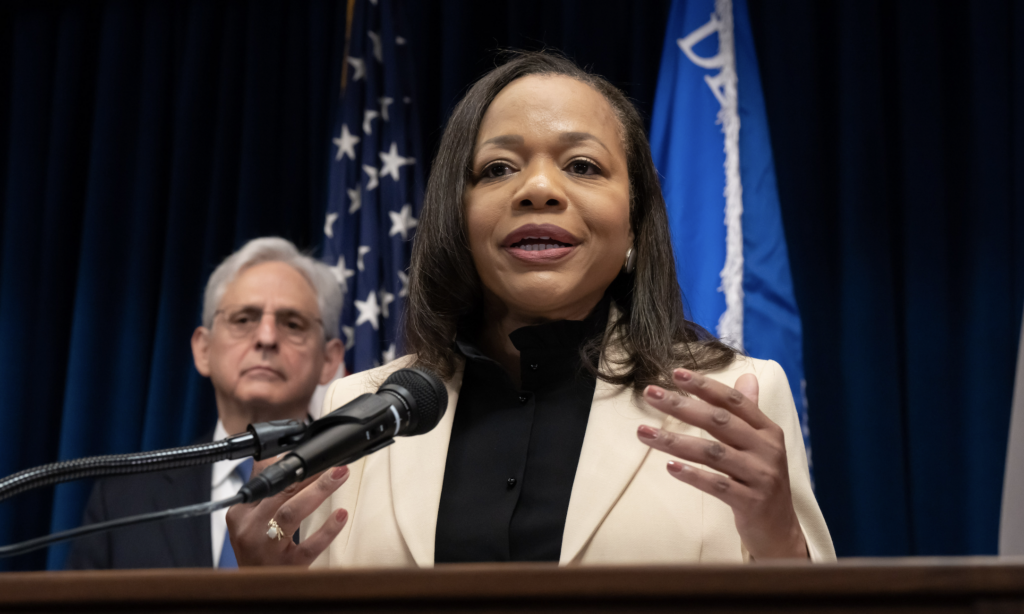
<point>429,398</point>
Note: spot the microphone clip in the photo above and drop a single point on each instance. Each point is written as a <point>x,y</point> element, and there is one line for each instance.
<point>276,436</point>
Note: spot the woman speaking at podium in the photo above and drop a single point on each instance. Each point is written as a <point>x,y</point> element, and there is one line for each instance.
<point>588,420</point>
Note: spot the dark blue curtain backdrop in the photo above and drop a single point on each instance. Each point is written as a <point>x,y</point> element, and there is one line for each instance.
<point>898,130</point>
<point>141,142</point>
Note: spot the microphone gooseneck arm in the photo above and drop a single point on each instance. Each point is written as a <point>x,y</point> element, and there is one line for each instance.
<point>198,509</point>
<point>262,440</point>
<point>411,402</point>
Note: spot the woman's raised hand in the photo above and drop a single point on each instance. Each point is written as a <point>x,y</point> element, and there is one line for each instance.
<point>750,452</point>
<point>249,524</point>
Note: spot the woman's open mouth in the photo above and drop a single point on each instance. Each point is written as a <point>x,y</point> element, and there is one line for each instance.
<point>540,243</point>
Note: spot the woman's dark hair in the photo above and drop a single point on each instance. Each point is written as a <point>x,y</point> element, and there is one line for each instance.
<point>445,290</point>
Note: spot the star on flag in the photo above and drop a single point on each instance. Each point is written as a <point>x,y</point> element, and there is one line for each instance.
<point>386,298</point>
<point>346,143</point>
<point>368,116</point>
<point>385,102</point>
<point>404,278</point>
<point>342,274</point>
<point>329,225</point>
<point>378,52</point>
<point>359,66</point>
<point>389,354</point>
<point>393,161</point>
<point>363,250</point>
<point>402,222</point>
<point>355,202</point>
<point>369,311</point>
<point>372,182</point>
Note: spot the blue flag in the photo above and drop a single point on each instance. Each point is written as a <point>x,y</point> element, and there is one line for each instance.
<point>375,189</point>
<point>709,137</point>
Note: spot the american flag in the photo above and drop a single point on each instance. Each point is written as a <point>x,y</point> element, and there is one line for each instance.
<point>376,185</point>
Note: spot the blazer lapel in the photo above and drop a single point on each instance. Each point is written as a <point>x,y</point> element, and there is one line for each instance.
<point>610,457</point>
<point>611,453</point>
<point>417,474</point>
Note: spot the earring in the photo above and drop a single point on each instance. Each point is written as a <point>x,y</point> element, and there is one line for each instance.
<point>630,264</point>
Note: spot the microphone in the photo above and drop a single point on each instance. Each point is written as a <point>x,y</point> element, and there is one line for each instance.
<point>410,402</point>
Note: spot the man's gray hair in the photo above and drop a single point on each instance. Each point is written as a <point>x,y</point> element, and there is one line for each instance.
<point>276,249</point>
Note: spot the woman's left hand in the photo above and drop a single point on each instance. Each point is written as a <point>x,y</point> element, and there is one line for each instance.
<point>750,451</point>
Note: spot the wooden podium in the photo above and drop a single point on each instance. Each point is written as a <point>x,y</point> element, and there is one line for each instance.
<point>977,585</point>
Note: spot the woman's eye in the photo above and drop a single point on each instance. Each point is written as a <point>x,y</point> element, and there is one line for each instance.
<point>582,167</point>
<point>497,170</point>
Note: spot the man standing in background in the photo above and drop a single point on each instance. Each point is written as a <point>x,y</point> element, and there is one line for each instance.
<point>269,336</point>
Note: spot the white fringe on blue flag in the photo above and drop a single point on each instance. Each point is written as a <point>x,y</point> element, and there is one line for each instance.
<point>723,86</point>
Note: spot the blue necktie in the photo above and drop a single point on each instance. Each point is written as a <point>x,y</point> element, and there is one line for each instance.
<point>227,553</point>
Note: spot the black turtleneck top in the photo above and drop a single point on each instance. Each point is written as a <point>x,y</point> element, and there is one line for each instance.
<point>513,451</point>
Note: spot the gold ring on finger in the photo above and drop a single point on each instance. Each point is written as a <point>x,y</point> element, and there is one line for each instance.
<point>275,531</point>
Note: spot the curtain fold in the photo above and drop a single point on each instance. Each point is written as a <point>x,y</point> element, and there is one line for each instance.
<point>897,128</point>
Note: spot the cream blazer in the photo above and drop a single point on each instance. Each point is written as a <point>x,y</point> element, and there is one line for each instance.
<point>624,507</point>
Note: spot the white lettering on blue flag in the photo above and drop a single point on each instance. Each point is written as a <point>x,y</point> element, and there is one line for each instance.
<point>710,141</point>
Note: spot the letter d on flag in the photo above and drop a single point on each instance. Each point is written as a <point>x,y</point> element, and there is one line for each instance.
<point>709,137</point>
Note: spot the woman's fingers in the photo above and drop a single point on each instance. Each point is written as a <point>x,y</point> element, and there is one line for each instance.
<point>768,530</point>
<point>731,492</point>
<point>740,465</point>
<point>267,508</point>
<point>311,547</point>
<point>264,509</point>
<point>248,523</point>
<point>747,384</point>
<point>293,511</point>
<point>719,422</point>
<point>747,456</point>
<point>720,395</point>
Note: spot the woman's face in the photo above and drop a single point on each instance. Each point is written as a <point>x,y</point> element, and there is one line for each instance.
<point>547,208</point>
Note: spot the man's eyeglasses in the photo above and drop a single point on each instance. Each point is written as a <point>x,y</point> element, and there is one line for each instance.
<point>294,326</point>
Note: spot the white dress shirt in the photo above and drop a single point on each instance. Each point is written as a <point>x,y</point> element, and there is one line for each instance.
<point>226,483</point>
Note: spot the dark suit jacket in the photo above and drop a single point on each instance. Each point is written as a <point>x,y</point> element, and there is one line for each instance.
<point>170,543</point>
